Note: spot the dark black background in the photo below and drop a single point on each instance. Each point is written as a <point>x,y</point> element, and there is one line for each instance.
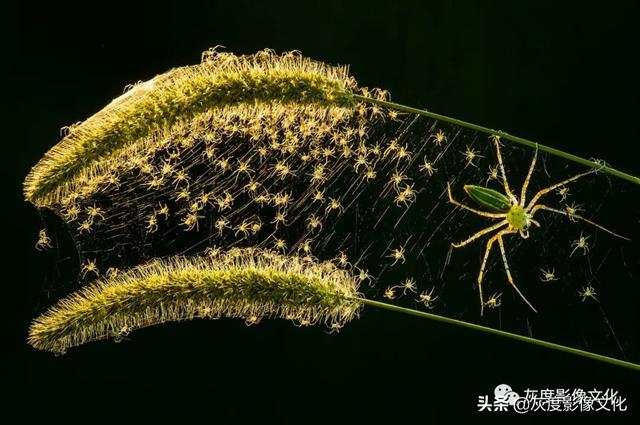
<point>564,73</point>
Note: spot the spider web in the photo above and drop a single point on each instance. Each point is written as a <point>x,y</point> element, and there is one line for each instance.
<point>218,189</point>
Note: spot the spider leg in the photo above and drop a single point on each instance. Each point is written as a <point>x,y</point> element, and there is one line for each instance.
<point>542,192</point>
<point>523,193</point>
<point>506,266</point>
<point>480,234</point>
<point>473,210</point>
<point>575,248</point>
<point>505,182</point>
<point>487,250</point>
<point>579,217</point>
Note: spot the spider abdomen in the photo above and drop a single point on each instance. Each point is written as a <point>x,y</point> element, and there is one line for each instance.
<point>488,198</point>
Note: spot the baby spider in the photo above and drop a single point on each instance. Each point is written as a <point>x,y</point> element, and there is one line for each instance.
<point>252,186</point>
<point>243,168</point>
<point>173,155</point>
<point>71,213</point>
<point>409,193</point>
<point>515,215</point>
<point>282,170</point>
<point>377,111</point>
<point>252,320</point>
<point>587,292</point>
<point>580,243</point>
<point>155,182</point>
<point>263,198</point>
<point>335,137</point>
<point>406,196</point>
<point>318,196</point>
<point>280,218</point>
<point>370,174</point>
<point>243,228</point>
<point>427,167</point>
<point>204,199</point>
<point>572,210</point>
<point>94,212</point>
<point>205,312</point>
<point>299,323</point>
<point>393,115</point>
<point>85,226</point>
<point>342,260</point>
<point>262,152</point>
<point>563,192</point>
<point>190,221</point>
<point>363,275</point>
<point>314,222</point>
<point>223,164</point>
<point>152,223</point>
<point>282,199</point>
<point>89,267</point>
<point>402,153</point>
<point>112,272</point>
<point>121,334</point>
<point>361,162</point>
<point>335,327</point>
<point>318,175</point>
<point>163,210</point>
<point>213,251</point>
<point>401,199</point>
<point>376,150</point>
<point>427,298</point>
<point>347,152</point>
<point>180,177</point>
<point>44,241</point>
<point>328,153</point>
<point>183,194</point>
<point>393,146</point>
<point>224,202</point>
<point>409,284</point>
<point>438,138</point>
<point>548,275</point>
<point>209,153</point>
<point>492,174</point>
<point>470,155</point>
<point>397,255</point>
<point>255,227</point>
<point>306,246</point>
<point>334,205</point>
<point>390,293</point>
<point>397,179</point>
<point>280,244</point>
<point>221,224</point>
<point>494,301</point>
<point>308,258</point>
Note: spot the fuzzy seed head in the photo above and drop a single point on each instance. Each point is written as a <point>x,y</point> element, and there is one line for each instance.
<point>243,283</point>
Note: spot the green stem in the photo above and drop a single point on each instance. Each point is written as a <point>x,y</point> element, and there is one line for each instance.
<point>510,335</point>
<point>502,135</point>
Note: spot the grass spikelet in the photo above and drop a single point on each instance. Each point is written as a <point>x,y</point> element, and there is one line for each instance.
<point>222,79</point>
<point>242,283</point>
<point>254,125</point>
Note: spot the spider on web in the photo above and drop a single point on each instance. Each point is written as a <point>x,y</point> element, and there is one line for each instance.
<point>515,215</point>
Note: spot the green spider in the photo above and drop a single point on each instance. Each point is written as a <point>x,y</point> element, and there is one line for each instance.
<point>515,215</point>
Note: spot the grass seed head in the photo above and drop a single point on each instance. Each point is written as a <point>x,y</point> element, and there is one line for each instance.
<point>243,283</point>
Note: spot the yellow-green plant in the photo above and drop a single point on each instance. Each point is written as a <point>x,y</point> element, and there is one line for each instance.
<point>222,79</point>
<point>242,283</point>
<point>259,94</point>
